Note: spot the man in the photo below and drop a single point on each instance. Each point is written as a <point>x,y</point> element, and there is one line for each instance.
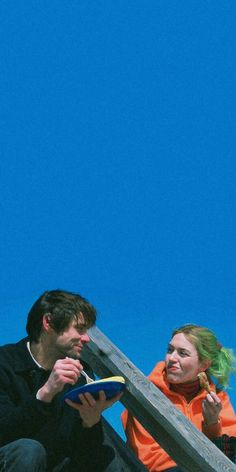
<point>38,430</point>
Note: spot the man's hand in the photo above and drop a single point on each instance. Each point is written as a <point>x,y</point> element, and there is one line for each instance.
<point>65,371</point>
<point>90,410</point>
<point>211,408</point>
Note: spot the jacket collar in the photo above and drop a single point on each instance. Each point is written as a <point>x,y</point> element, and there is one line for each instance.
<point>22,358</point>
<point>158,377</point>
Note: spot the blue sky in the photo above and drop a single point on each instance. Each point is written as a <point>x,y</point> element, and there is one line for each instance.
<point>118,165</point>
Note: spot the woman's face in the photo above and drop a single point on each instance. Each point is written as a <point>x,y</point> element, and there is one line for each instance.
<point>182,363</point>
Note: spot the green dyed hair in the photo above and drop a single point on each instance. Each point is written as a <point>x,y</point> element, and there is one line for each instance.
<point>208,348</point>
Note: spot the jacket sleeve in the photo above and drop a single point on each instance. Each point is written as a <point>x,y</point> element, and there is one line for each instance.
<point>144,445</point>
<point>227,420</point>
<point>19,419</point>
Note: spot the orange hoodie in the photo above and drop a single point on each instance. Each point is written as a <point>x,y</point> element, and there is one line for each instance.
<point>143,444</point>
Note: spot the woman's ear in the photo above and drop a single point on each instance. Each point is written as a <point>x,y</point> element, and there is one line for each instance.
<point>204,365</point>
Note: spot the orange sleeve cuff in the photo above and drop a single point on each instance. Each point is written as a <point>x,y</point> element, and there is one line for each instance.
<point>212,430</point>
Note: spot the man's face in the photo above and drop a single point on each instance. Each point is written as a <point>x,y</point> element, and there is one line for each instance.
<point>70,343</point>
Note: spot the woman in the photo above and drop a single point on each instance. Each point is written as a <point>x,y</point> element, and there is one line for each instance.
<point>191,351</point>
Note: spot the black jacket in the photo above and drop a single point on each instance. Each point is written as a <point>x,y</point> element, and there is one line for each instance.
<point>56,425</point>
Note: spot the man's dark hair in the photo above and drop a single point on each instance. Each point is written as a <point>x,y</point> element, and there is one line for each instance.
<point>63,307</point>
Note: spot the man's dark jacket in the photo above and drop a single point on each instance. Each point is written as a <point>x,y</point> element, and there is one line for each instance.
<point>55,425</point>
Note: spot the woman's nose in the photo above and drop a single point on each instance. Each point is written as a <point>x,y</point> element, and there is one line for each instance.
<point>173,355</point>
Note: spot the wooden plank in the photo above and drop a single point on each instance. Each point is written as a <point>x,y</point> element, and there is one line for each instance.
<point>192,451</point>
<point>126,460</point>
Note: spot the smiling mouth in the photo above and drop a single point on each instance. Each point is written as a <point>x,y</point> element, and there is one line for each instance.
<point>172,368</point>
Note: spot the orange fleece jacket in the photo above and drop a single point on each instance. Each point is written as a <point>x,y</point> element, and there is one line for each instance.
<point>143,444</point>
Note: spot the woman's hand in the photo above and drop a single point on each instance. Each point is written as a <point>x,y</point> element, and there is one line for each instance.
<point>211,408</point>
<point>90,410</point>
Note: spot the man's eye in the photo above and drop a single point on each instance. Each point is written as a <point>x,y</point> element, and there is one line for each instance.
<point>81,329</point>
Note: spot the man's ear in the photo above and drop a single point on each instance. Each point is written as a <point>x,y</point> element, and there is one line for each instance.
<point>46,323</point>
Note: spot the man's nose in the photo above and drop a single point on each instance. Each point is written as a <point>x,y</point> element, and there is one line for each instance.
<point>85,338</point>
